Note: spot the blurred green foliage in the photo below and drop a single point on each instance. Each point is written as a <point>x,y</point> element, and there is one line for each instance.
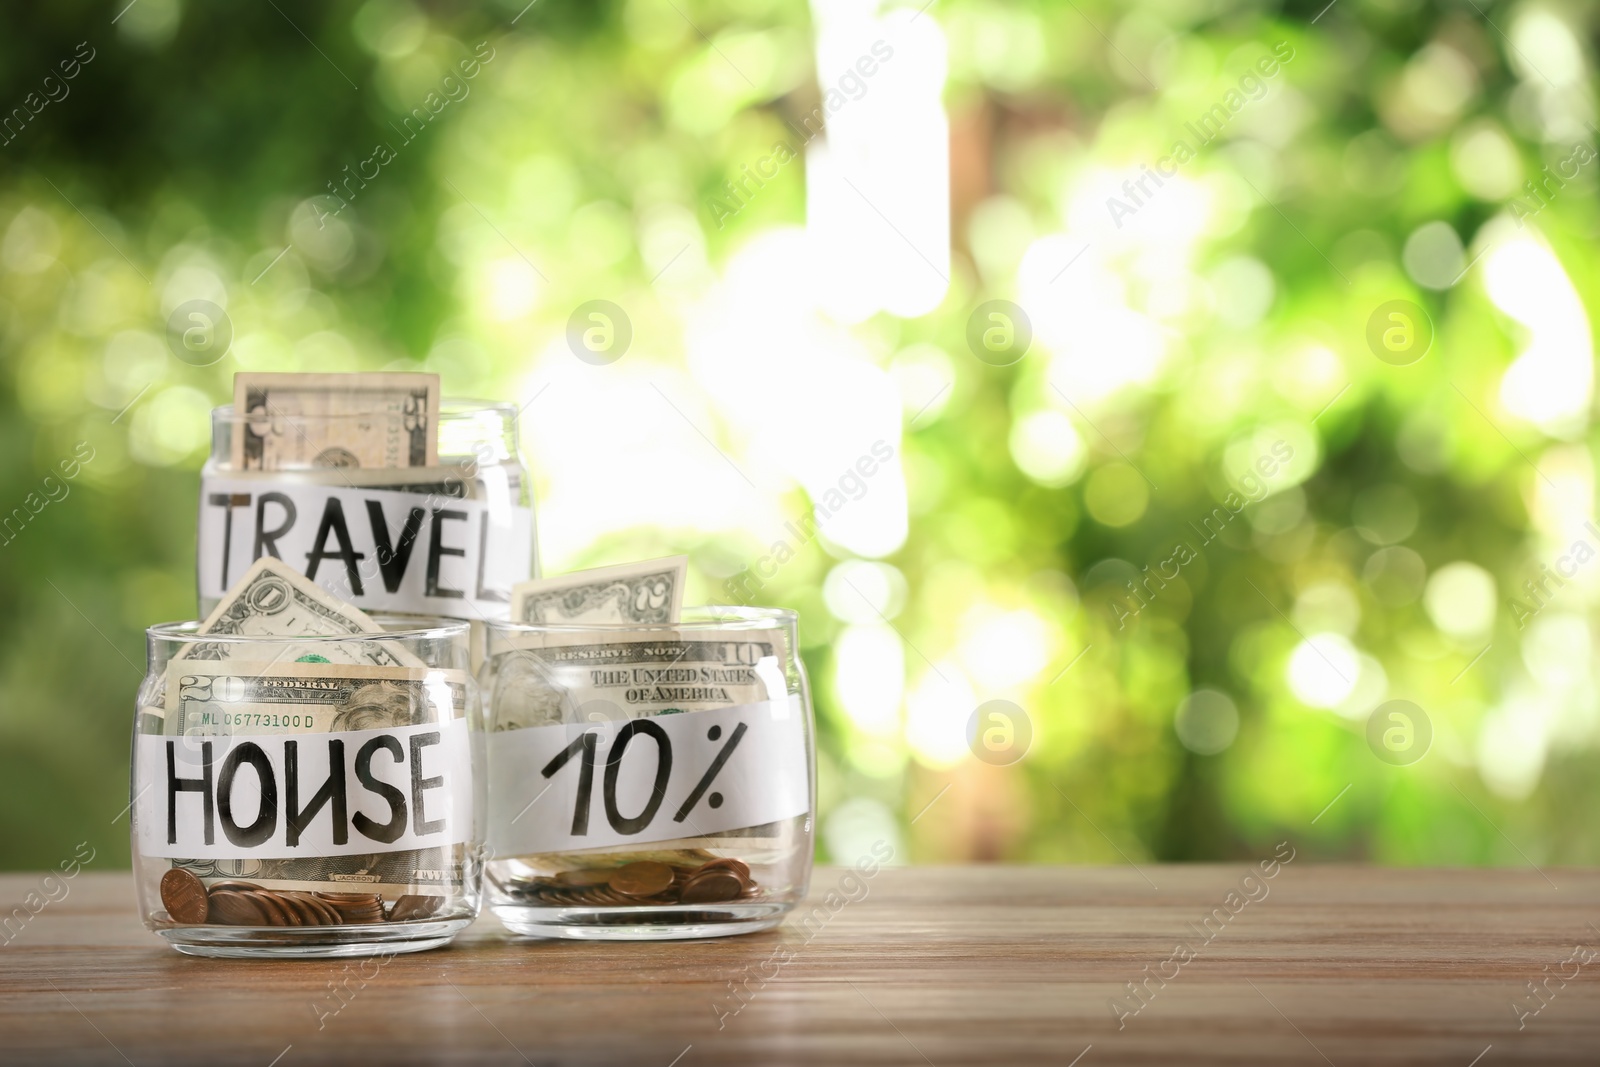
<point>1417,500</point>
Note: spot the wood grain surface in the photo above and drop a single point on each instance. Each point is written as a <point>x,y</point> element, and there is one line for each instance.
<point>938,966</point>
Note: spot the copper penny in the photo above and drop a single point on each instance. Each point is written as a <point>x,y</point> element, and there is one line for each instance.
<point>413,907</point>
<point>327,914</point>
<point>301,913</point>
<point>295,904</point>
<point>356,908</point>
<point>184,896</point>
<point>277,912</point>
<point>236,909</point>
<point>712,887</point>
<point>353,901</point>
<point>739,867</point>
<point>594,876</point>
<point>643,879</point>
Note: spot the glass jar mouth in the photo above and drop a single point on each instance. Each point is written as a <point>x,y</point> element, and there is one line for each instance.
<point>705,617</point>
<point>395,628</point>
<point>451,409</point>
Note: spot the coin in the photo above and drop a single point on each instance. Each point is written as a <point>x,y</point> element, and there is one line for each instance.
<point>355,908</point>
<point>739,867</point>
<point>712,887</point>
<point>326,914</point>
<point>236,909</point>
<point>594,876</point>
<point>298,905</point>
<point>413,907</point>
<point>279,911</point>
<point>184,896</point>
<point>643,879</point>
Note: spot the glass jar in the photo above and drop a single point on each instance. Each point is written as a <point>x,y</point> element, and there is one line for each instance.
<point>308,795</point>
<point>448,539</point>
<point>649,781</point>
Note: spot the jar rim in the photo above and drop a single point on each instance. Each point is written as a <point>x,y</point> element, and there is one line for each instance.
<point>719,617</point>
<point>413,628</point>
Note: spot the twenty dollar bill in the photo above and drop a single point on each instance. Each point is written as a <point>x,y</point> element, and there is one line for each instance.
<point>217,701</point>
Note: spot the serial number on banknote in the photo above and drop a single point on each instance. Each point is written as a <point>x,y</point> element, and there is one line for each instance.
<point>242,718</point>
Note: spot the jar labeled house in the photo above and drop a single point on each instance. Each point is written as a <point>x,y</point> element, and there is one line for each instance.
<point>308,794</point>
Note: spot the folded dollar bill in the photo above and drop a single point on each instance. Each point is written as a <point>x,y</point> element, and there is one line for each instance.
<point>274,600</point>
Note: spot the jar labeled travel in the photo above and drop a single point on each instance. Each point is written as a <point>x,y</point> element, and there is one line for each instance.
<point>307,794</point>
<point>649,781</point>
<point>385,496</point>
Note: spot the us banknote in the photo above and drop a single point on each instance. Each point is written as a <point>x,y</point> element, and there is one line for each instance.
<point>581,678</point>
<point>647,592</point>
<point>335,420</point>
<point>272,599</point>
<point>210,699</point>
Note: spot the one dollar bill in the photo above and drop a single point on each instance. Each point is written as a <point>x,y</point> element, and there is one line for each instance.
<point>272,599</point>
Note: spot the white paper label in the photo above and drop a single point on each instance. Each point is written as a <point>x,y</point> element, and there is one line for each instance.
<point>234,797</point>
<point>379,549</point>
<point>658,778</point>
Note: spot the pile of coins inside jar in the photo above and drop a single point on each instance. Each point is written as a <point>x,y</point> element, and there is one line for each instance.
<point>647,882</point>
<point>235,903</point>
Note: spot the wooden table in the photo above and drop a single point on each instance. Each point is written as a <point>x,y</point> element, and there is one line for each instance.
<point>943,966</point>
